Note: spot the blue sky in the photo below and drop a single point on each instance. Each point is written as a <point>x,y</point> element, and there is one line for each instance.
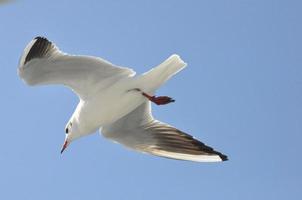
<point>241,93</point>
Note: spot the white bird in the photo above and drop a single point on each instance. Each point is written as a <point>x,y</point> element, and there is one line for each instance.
<point>114,100</point>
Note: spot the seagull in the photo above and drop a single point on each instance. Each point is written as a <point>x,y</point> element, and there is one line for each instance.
<point>114,100</point>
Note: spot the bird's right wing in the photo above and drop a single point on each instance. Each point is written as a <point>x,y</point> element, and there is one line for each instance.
<point>43,63</point>
<point>139,131</point>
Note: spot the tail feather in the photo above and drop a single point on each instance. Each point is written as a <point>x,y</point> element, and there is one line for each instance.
<point>163,72</point>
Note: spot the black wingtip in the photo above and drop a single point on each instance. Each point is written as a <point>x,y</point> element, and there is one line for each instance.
<point>38,49</point>
<point>223,157</point>
<point>41,38</point>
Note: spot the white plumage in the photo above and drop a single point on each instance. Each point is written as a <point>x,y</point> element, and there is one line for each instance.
<point>113,99</point>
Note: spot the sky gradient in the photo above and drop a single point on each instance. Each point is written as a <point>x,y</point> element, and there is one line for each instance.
<point>241,94</point>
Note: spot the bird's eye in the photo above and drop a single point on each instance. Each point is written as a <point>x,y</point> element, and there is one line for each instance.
<point>67,128</point>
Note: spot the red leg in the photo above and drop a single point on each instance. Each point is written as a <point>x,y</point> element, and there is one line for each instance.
<point>161,100</point>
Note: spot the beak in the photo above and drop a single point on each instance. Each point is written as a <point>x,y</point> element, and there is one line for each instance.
<point>64,146</point>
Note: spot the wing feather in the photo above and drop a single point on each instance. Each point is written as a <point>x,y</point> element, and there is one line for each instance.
<point>139,131</point>
<point>43,63</point>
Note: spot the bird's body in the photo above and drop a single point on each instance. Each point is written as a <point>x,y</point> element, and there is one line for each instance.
<point>114,100</point>
<point>108,104</point>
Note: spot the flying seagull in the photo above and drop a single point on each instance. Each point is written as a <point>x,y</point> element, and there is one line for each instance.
<point>114,100</point>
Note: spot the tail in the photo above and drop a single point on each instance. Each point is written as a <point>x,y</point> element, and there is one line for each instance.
<point>157,76</point>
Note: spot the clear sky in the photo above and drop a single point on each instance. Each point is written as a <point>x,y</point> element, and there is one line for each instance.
<point>241,94</point>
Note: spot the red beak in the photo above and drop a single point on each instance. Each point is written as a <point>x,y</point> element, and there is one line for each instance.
<point>64,146</point>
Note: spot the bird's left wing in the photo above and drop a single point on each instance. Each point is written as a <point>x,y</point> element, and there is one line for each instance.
<point>140,131</point>
<point>43,63</point>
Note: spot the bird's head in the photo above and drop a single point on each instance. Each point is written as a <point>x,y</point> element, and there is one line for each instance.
<point>71,133</point>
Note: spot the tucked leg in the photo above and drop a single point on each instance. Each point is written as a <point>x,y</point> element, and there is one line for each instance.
<point>160,100</point>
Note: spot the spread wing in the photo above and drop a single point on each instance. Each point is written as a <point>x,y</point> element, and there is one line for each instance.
<point>140,131</point>
<point>43,63</point>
